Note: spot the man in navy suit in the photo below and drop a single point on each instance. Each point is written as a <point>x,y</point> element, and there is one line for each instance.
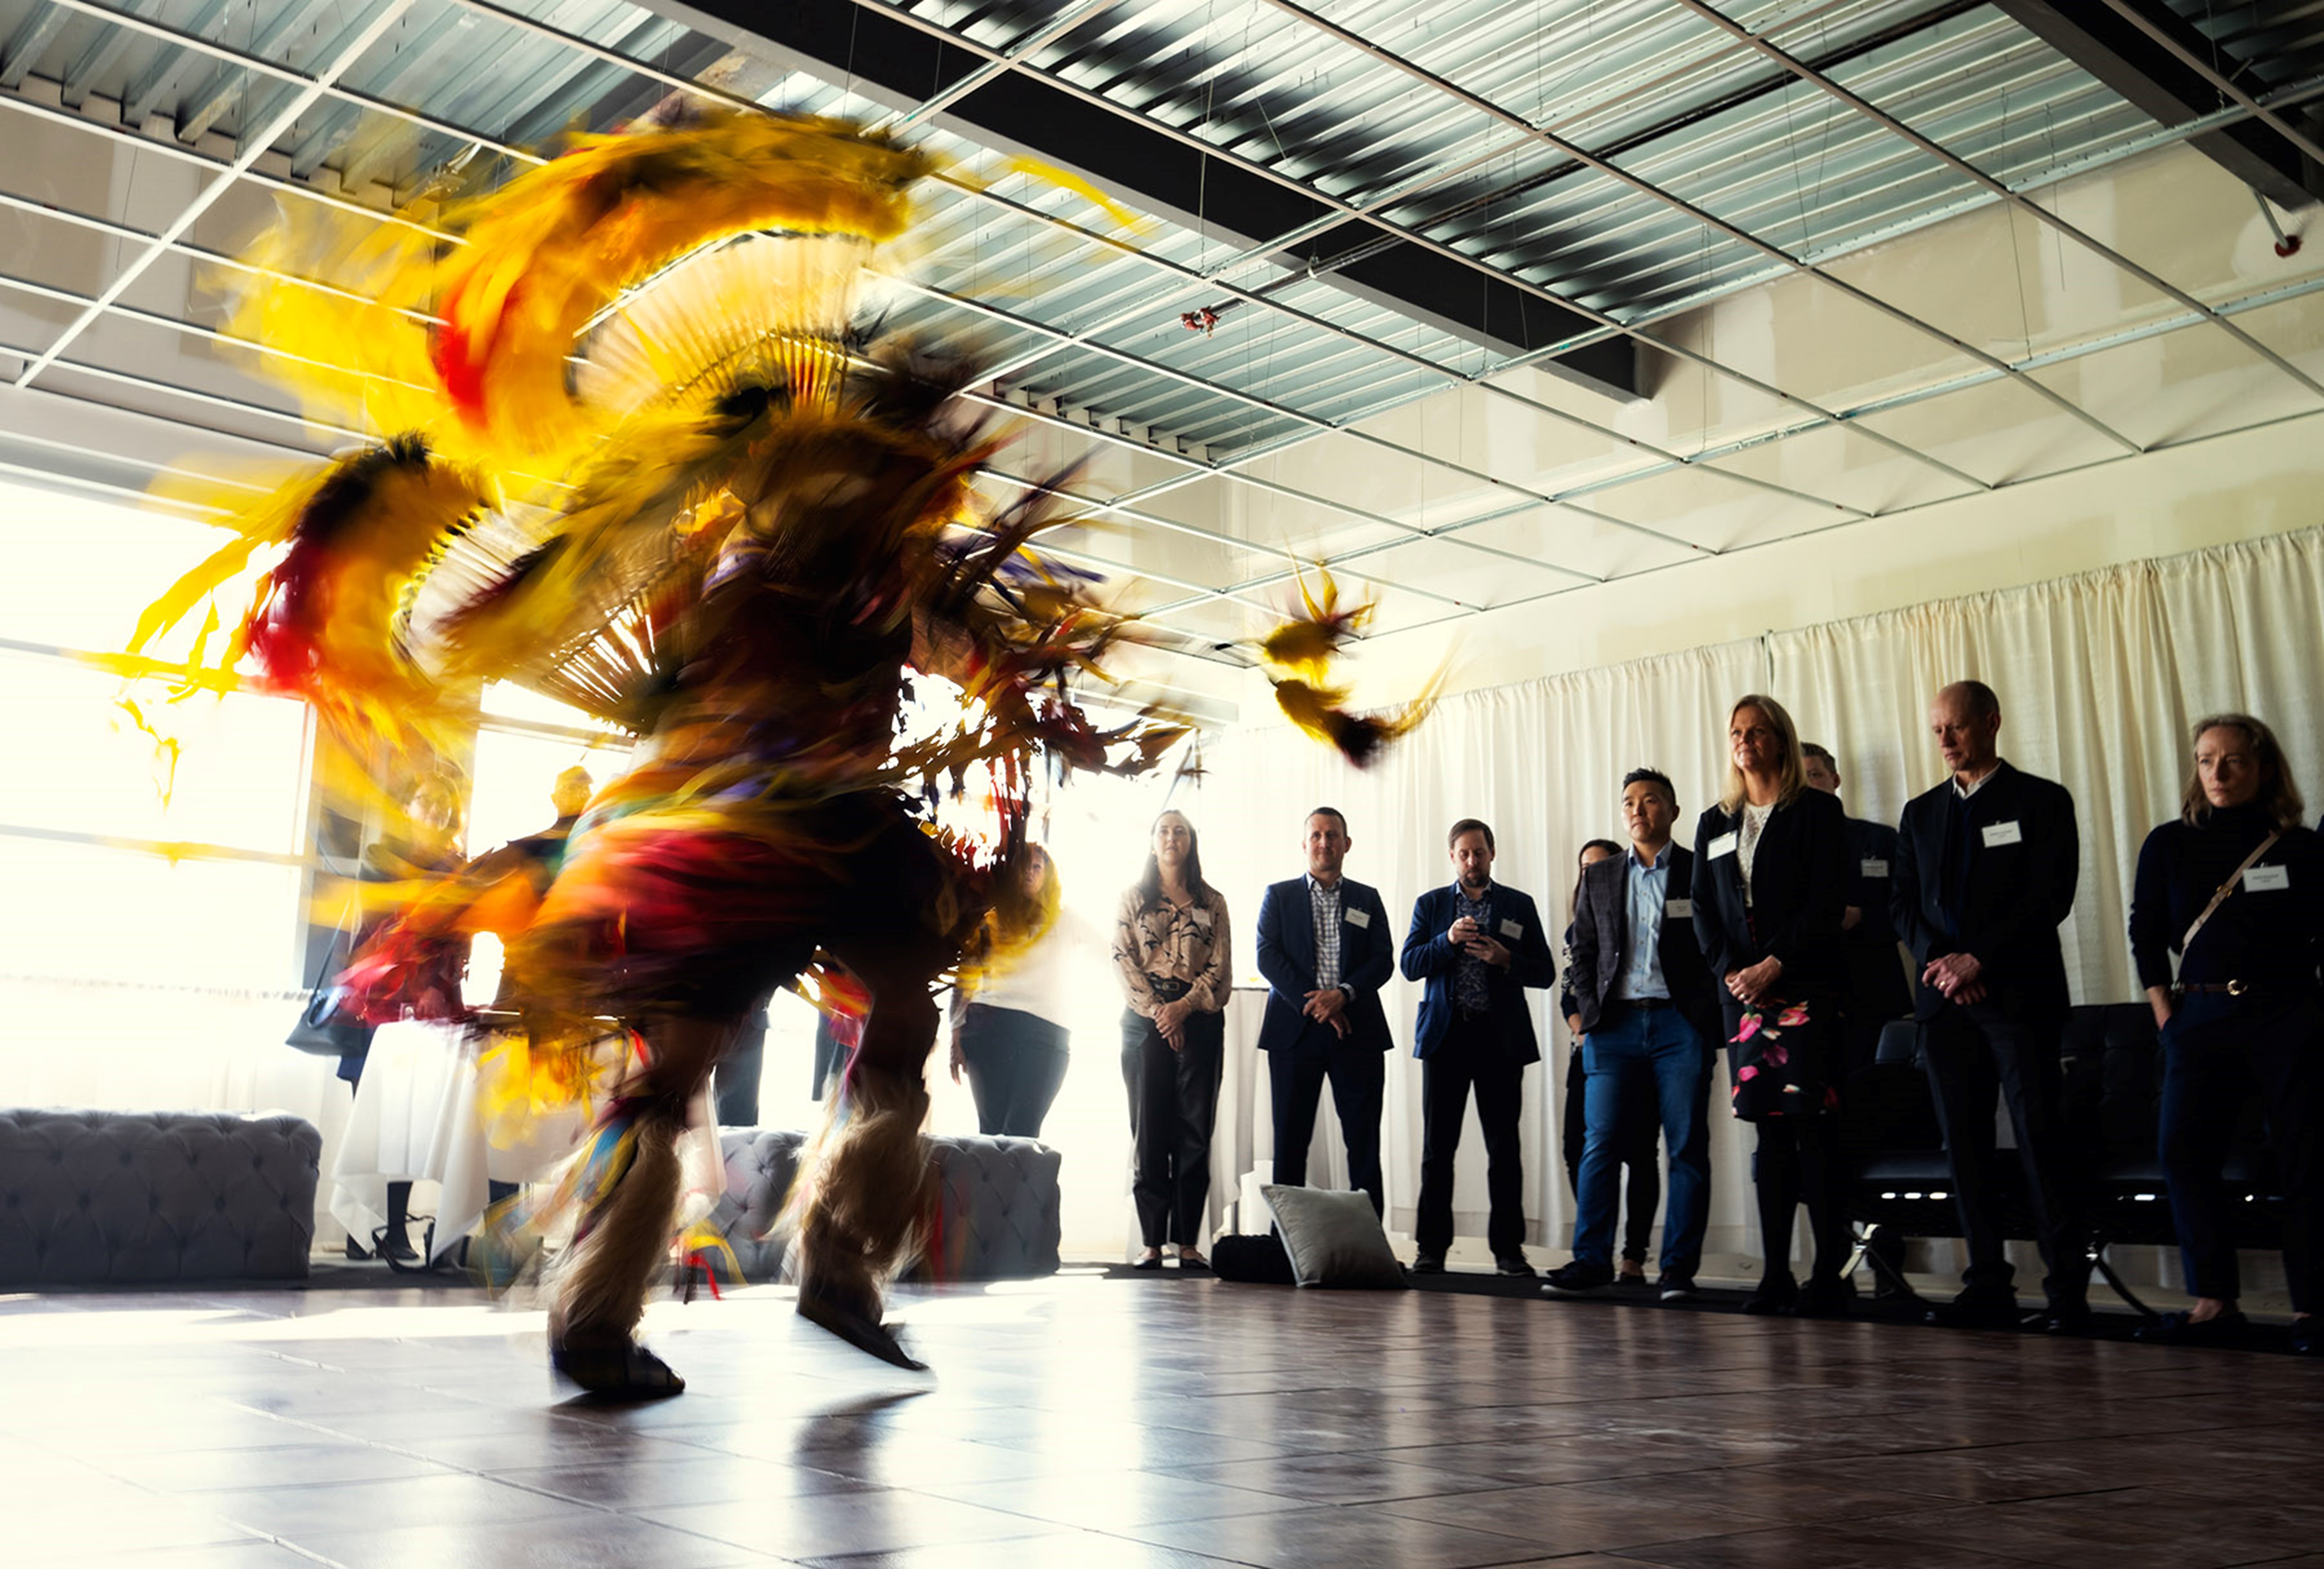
<point>1325,948</point>
<point>1477,945</point>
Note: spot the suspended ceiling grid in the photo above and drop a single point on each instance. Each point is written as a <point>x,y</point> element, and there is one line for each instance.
<point>1456,269</point>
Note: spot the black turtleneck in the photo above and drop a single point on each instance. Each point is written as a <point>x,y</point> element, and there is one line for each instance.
<point>2269,938</point>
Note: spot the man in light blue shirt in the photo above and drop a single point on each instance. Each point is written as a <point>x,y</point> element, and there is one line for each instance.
<point>1648,1011</point>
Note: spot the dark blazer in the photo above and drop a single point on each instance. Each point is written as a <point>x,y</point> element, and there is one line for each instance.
<point>1876,973</point>
<point>1287,957</point>
<point>1799,890</point>
<point>1601,948</point>
<point>2013,897</point>
<point>1429,957</point>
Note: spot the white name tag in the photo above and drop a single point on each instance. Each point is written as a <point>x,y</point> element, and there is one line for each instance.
<point>1360,917</point>
<point>1871,868</point>
<point>1680,909</point>
<point>1512,930</point>
<point>1997,834</point>
<point>1722,846</point>
<point>2267,879</point>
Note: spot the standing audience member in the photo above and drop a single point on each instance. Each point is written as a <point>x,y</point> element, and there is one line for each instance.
<point>1647,1014</point>
<point>1770,883</point>
<point>1985,869</point>
<point>1008,1014</point>
<point>1876,992</point>
<point>2236,886</point>
<point>1325,949</point>
<point>427,851</point>
<point>1638,1138</point>
<point>1172,953</point>
<point>1477,945</point>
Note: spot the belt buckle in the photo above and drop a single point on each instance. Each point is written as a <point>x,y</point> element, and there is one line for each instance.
<point>2236,988</point>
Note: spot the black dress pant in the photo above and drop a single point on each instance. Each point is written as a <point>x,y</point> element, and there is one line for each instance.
<point>2207,1073</point>
<point>1974,1054</point>
<point>1799,1160</point>
<point>1174,1101</point>
<point>1637,1147</point>
<point>1358,1077</point>
<point>1471,1056</point>
<point>1016,1061</point>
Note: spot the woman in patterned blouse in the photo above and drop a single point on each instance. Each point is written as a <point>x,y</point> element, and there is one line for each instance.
<point>1171,952</point>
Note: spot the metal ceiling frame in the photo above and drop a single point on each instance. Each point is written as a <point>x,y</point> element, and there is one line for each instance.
<point>1665,460</point>
<point>1191,280</point>
<point>1916,506</point>
<point>2306,144</point>
<point>2312,286</point>
<point>2097,247</point>
<point>254,146</point>
<point>1645,188</point>
<point>1368,212</point>
<point>2163,136</point>
<point>1343,210</point>
<point>479,141</point>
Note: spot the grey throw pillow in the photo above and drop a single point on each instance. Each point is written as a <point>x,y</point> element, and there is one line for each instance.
<point>1333,1238</point>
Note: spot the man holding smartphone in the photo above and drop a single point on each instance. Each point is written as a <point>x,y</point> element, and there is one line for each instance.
<point>1477,946</point>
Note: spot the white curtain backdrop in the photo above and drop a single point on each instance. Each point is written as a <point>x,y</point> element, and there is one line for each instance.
<point>2099,676</point>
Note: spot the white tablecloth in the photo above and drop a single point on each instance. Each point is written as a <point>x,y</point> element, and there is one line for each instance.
<point>415,1120</point>
<point>1243,1143</point>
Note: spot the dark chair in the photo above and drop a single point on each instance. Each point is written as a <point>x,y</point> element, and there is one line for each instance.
<point>2113,1070</point>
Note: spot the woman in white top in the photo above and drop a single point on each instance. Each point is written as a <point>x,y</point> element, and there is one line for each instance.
<point>1008,1020</point>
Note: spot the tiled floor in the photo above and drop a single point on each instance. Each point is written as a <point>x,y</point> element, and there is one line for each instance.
<point>1086,1423</point>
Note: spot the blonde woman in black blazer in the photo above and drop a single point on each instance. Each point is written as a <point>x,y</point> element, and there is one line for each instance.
<point>1770,888</point>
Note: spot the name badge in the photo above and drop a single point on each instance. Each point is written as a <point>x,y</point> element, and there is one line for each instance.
<point>1360,917</point>
<point>1722,846</point>
<point>1512,930</point>
<point>1872,868</point>
<point>1680,909</point>
<point>2267,879</point>
<point>1998,833</point>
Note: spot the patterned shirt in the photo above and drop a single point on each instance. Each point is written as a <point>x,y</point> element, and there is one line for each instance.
<point>1190,944</point>
<point>1324,902</point>
<point>1471,974</point>
<point>1747,842</point>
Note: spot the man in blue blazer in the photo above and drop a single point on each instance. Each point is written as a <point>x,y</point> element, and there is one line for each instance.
<point>1477,945</point>
<point>1324,947</point>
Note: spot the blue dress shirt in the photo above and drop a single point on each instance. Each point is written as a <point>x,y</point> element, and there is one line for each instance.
<point>1649,888</point>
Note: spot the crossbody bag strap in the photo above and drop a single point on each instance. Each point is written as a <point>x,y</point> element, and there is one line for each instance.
<point>2219,894</point>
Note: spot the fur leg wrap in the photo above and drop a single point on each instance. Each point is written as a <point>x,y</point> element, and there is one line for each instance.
<point>623,1235</point>
<point>866,1190</point>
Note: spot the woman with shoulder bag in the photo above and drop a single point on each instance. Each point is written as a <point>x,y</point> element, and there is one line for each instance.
<point>2236,885</point>
<point>1770,890</point>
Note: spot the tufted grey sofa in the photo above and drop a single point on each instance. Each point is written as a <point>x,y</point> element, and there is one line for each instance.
<point>996,1214</point>
<point>103,1198</point>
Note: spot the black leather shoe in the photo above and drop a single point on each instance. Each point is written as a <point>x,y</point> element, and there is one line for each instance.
<point>2307,1337</point>
<point>1777,1295</point>
<point>1577,1279</point>
<point>1516,1265</point>
<point>2062,1318</point>
<point>1428,1264</point>
<point>1976,1309</point>
<point>2178,1329</point>
<point>1153,1263</point>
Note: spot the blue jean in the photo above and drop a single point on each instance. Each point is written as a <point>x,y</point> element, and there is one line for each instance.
<point>1647,1051</point>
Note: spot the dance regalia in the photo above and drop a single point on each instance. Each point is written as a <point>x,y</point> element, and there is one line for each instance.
<point>653,471</point>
